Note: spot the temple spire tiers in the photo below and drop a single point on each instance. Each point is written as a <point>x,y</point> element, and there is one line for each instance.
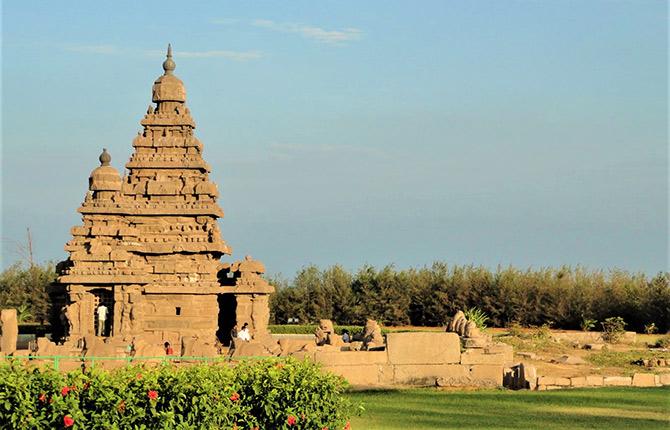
<point>150,244</point>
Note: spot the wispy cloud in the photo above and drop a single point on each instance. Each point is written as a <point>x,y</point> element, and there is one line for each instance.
<point>310,32</point>
<point>115,50</point>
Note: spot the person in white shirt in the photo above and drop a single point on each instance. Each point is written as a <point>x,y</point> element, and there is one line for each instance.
<point>102,318</point>
<point>244,333</point>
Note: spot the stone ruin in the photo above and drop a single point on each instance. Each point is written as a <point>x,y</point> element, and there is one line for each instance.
<point>149,245</point>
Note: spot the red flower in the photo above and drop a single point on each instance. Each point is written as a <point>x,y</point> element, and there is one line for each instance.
<point>234,397</point>
<point>64,391</point>
<point>347,426</point>
<point>152,394</point>
<point>42,398</point>
<point>325,428</point>
<point>139,376</point>
<point>290,420</point>
<point>68,421</point>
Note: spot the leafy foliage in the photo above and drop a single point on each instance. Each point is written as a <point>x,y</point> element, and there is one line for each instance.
<point>25,288</point>
<point>613,329</point>
<point>565,297</point>
<point>477,316</point>
<point>252,395</point>
<point>588,324</point>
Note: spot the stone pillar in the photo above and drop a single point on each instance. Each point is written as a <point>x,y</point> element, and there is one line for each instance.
<point>10,331</point>
<point>244,310</point>
<point>260,313</point>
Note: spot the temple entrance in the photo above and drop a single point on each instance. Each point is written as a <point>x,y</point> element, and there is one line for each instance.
<point>227,317</point>
<point>103,318</point>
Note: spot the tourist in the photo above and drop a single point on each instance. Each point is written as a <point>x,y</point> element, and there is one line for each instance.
<point>244,333</point>
<point>168,348</point>
<point>346,338</point>
<point>102,318</point>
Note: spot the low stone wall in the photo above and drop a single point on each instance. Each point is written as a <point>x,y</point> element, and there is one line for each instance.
<point>419,359</point>
<point>585,337</point>
<point>637,380</point>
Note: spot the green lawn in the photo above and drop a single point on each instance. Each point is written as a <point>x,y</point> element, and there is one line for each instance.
<point>601,408</point>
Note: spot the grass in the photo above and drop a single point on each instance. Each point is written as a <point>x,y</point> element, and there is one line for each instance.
<point>601,408</point>
<point>623,360</point>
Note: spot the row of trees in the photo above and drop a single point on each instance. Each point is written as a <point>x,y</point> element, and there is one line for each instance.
<point>24,287</point>
<point>563,298</point>
<point>427,296</point>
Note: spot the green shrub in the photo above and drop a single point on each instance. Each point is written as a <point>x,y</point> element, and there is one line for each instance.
<point>514,329</point>
<point>542,333</point>
<point>613,329</point>
<point>588,324</point>
<point>267,394</point>
<point>477,316</point>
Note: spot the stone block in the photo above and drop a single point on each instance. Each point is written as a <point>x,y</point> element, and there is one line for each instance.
<point>594,381</point>
<point>10,331</point>
<point>426,374</point>
<point>664,379</point>
<point>579,381</point>
<point>528,375</point>
<point>364,375</point>
<point>486,375</point>
<point>423,348</point>
<point>644,380</point>
<point>249,349</point>
<point>617,381</point>
<point>480,356</point>
<point>351,358</point>
<point>551,380</point>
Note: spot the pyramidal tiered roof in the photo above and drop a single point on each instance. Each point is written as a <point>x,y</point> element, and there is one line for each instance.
<point>156,226</point>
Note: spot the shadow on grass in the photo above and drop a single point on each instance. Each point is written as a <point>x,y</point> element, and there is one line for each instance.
<point>616,408</point>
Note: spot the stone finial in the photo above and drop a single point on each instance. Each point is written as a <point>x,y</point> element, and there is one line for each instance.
<point>105,158</point>
<point>169,64</point>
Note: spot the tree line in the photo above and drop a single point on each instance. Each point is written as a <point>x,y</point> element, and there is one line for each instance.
<point>563,297</point>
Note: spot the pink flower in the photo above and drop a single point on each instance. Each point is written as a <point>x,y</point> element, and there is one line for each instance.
<point>347,426</point>
<point>68,421</point>
<point>290,420</point>
<point>64,391</point>
<point>152,394</point>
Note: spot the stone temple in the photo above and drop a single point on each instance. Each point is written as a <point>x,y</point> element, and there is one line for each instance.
<point>149,248</point>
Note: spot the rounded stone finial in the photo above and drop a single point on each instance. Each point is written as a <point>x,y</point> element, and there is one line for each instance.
<point>105,158</point>
<point>169,64</point>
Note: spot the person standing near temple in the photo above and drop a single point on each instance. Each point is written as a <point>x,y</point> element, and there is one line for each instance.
<point>244,333</point>
<point>102,319</point>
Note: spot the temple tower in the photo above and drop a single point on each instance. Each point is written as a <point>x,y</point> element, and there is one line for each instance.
<point>150,244</point>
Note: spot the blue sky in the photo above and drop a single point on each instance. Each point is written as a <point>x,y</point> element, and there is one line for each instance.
<point>490,133</point>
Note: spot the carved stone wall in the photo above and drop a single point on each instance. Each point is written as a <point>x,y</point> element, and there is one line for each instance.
<point>151,238</point>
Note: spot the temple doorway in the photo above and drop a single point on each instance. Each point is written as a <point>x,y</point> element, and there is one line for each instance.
<point>227,317</point>
<point>103,296</point>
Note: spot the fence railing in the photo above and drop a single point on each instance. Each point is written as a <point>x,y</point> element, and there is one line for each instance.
<point>164,359</point>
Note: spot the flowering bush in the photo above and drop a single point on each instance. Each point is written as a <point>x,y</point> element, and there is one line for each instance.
<point>266,394</point>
